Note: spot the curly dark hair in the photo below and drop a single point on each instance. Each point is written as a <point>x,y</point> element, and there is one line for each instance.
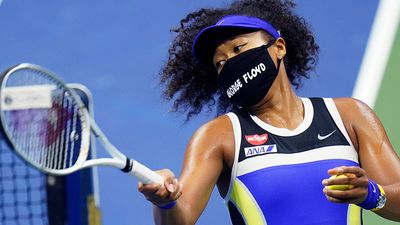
<point>192,86</point>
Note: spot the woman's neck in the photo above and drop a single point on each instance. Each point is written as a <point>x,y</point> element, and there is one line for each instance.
<point>281,107</point>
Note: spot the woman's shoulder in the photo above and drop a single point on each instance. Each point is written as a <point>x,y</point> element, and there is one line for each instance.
<point>216,127</point>
<point>215,134</point>
<point>356,116</point>
<point>214,138</point>
<point>351,105</point>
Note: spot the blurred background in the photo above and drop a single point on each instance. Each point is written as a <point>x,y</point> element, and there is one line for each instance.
<point>117,48</point>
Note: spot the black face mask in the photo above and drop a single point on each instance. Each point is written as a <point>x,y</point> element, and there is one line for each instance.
<point>247,77</point>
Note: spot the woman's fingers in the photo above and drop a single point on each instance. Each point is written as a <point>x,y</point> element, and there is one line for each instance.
<point>161,194</point>
<point>348,184</point>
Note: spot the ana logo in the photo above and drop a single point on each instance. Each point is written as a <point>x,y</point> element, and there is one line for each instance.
<point>257,139</point>
<point>259,150</point>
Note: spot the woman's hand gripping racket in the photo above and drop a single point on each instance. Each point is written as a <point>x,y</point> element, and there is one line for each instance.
<point>48,125</point>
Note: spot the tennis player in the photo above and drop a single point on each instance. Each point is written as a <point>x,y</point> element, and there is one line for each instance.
<point>270,153</point>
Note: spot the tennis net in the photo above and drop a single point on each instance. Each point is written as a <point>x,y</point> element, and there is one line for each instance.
<point>22,190</point>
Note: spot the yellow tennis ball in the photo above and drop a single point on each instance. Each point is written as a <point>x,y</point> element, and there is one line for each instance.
<point>339,186</point>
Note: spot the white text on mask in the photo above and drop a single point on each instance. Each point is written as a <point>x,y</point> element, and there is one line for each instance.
<point>254,72</point>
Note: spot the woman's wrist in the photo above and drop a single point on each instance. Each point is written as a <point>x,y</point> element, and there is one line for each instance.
<point>375,199</point>
<point>167,206</point>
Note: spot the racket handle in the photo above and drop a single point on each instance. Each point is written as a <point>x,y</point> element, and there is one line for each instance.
<point>144,174</point>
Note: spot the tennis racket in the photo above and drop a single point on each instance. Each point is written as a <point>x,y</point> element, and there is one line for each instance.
<point>48,125</point>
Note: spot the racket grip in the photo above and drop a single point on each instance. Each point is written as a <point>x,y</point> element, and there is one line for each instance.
<point>144,174</point>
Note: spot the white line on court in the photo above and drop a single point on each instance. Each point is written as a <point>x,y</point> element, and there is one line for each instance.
<point>378,50</point>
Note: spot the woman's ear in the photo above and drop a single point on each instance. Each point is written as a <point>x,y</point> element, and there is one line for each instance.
<point>280,49</point>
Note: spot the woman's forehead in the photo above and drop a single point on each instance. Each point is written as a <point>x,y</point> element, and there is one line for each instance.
<point>255,35</point>
<point>252,36</point>
<point>256,38</point>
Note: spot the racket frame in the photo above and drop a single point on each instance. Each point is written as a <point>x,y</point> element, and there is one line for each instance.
<point>118,159</point>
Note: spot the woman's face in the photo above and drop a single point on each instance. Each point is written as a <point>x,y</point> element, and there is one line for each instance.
<point>236,45</point>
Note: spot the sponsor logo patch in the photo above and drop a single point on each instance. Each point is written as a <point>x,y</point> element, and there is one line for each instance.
<point>257,139</point>
<point>259,150</point>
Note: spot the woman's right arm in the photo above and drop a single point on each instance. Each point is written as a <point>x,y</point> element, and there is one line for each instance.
<point>202,166</point>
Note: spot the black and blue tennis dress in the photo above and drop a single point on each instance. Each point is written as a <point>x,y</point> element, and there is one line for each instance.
<point>277,173</point>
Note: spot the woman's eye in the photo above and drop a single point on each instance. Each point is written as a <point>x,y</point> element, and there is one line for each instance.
<point>236,49</point>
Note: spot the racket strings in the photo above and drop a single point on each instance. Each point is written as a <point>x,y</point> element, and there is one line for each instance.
<point>47,136</point>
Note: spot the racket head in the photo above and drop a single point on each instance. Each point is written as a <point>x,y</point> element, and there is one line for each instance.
<point>45,121</point>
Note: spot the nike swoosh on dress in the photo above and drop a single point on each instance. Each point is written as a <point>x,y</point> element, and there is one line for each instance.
<point>325,136</point>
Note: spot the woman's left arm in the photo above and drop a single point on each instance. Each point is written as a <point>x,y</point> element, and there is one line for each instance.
<point>378,159</point>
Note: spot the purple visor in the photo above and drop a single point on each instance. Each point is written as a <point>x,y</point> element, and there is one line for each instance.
<point>207,39</point>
